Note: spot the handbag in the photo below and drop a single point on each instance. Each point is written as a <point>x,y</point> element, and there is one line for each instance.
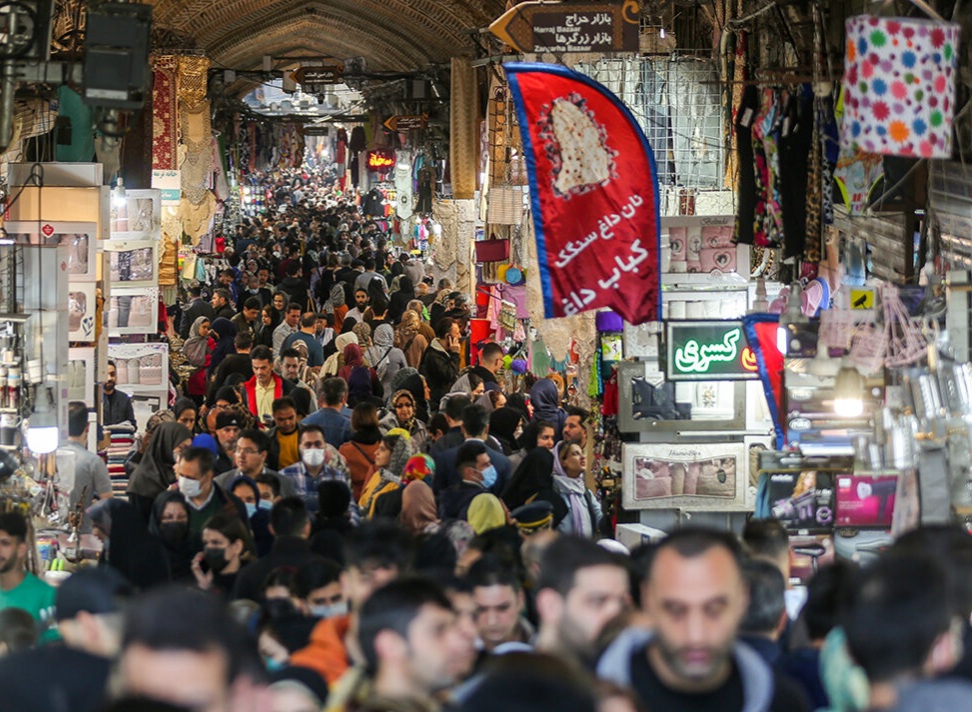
<point>492,250</point>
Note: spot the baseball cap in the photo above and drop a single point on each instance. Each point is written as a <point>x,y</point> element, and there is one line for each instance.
<point>94,590</point>
<point>226,420</point>
<point>207,441</point>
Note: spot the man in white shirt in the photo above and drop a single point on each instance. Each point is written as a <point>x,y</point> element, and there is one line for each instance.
<point>91,478</point>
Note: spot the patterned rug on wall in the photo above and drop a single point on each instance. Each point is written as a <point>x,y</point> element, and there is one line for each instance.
<point>164,116</point>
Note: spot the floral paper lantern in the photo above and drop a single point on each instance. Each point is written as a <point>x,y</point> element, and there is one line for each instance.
<point>899,86</point>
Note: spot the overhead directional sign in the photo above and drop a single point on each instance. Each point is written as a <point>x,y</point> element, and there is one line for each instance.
<point>312,130</point>
<point>408,122</point>
<point>570,26</point>
<point>328,74</point>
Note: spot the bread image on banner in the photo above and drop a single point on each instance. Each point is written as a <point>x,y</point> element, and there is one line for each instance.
<point>577,146</point>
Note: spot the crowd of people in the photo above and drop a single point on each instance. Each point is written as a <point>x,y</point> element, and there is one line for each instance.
<point>343,512</point>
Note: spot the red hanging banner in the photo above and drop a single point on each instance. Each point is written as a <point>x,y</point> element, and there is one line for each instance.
<point>594,194</point>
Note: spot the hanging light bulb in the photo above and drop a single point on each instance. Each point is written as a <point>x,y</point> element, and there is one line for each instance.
<point>118,195</point>
<point>43,435</point>
<point>849,392</point>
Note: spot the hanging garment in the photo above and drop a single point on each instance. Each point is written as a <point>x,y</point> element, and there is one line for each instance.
<point>747,187</point>
<point>796,137</point>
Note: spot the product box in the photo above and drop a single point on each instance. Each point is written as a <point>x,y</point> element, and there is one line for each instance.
<point>865,500</point>
<point>802,501</point>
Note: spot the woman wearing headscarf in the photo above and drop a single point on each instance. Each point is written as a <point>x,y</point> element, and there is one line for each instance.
<point>280,302</point>
<point>506,425</point>
<point>419,514</point>
<point>128,546</point>
<point>153,475</point>
<point>416,385</point>
<point>269,320</point>
<point>185,412</point>
<point>359,451</point>
<point>170,523</point>
<point>335,305</point>
<point>545,399</point>
<point>486,512</point>
<point>532,481</point>
<point>410,340</point>
<point>156,419</point>
<point>583,510</point>
<point>402,414</point>
<point>390,459</point>
<point>384,357</point>
<point>198,350</point>
<point>400,299</point>
<point>363,332</point>
<point>225,332</point>
<point>335,361</point>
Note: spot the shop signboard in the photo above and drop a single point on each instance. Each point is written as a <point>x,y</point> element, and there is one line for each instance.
<point>594,193</point>
<point>570,27</point>
<point>406,122</point>
<point>328,74</point>
<point>708,351</point>
<point>381,161</point>
<point>316,130</point>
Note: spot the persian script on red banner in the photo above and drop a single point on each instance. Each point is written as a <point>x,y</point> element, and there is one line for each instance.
<point>594,190</point>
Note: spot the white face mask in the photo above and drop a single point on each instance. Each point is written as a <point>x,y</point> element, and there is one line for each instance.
<point>190,488</point>
<point>312,457</point>
<point>330,610</point>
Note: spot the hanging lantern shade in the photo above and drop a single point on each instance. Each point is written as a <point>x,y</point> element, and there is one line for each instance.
<point>899,86</point>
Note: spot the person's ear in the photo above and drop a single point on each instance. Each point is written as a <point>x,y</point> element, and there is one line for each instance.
<point>945,653</point>
<point>550,605</point>
<point>390,646</point>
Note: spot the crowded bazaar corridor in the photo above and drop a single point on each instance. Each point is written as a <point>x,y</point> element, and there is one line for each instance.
<point>485,355</point>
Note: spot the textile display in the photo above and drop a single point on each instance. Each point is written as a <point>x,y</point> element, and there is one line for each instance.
<point>592,180</point>
<point>164,127</point>
<point>899,82</point>
<point>464,129</point>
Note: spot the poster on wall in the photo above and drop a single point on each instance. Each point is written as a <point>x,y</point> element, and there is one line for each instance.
<point>705,476</point>
<point>594,193</point>
<point>81,239</point>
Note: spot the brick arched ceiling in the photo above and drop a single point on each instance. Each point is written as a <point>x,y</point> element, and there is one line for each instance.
<point>392,35</point>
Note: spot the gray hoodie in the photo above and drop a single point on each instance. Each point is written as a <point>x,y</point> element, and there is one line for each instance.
<point>935,696</point>
<point>757,678</point>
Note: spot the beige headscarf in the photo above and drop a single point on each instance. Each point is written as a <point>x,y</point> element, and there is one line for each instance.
<point>336,360</point>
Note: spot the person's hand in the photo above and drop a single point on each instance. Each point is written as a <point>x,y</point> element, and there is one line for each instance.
<point>203,579</point>
<point>454,344</point>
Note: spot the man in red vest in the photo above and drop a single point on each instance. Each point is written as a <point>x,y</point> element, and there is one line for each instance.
<point>265,386</point>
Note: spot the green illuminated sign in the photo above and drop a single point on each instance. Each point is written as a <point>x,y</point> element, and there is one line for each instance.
<point>708,351</point>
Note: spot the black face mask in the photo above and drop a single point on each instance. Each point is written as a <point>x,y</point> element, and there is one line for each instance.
<point>215,559</point>
<point>174,532</point>
<point>280,607</point>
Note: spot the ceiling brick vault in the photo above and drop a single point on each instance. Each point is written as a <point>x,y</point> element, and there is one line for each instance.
<point>392,35</point>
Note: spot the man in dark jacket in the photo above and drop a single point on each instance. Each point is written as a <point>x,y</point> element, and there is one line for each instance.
<point>290,525</point>
<point>475,427</point>
<point>197,307</point>
<point>195,472</point>
<point>472,462</point>
<point>440,364</point>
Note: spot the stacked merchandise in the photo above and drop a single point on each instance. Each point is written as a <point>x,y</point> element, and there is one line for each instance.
<point>122,443</point>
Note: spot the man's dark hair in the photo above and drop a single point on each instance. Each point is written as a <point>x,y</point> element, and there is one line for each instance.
<point>532,682</point>
<point>475,420</point>
<point>314,575</point>
<point>378,543</point>
<point>77,418</point>
<point>691,542</point>
<point>293,268</point>
<point>308,320</point>
<point>261,353</point>
<point>467,455</point>
<point>243,341</point>
<point>283,403</point>
<point>766,602</point>
<point>827,596</point>
<point>195,291</point>
<point>265,479</point>
<point>765,537</point>
<point>259,438</point>
<point>253,303</point>
<point>394,607</point>
<point>455,406</point>
<point>490,351</point>
<point>332,391</point>
<point>311,428</point>
<point>289,517</point>
<point>951,546</point>
<point>493,570</point>
<point>15,524</point>
<point>224,293</point>
<point>201,455</point>
<point>561,561</point>
<point>444,327</point>
<point>573,410</point>
<point>178,618</point>
<point>900,606</point>
<point>289,352</point>
<point>369,265</point>
<point>293,306</point>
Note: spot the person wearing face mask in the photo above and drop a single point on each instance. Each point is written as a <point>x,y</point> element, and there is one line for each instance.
<point>478,475</point>
<point>225,551</point>
<point>318,586</point>
<point>318,462</point>
<point>195,473</point>
<point>170,524</point>
<point>128,546</point>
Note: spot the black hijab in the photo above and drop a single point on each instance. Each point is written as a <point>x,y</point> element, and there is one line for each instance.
<point>416,386</point>
<point>502,425</point>
<point>154,473</point>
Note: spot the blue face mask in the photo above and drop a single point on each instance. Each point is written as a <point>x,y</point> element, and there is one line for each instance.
<point>265,504</point>
<point>250,509</point>
<point>489,476</point>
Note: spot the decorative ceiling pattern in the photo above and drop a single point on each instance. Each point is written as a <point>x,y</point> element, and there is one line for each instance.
<point>392,35</point>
